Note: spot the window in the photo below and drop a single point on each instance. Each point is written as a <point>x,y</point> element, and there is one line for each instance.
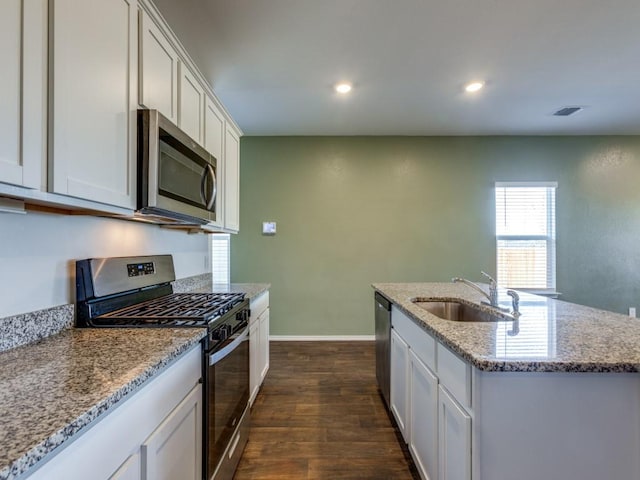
<point>221,265</point>
<point>526,235</point>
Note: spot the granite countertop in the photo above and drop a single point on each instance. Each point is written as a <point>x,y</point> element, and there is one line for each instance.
<point>51,389</point>
<point>550,336</point>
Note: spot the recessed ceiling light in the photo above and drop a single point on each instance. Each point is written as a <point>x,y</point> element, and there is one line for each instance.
<point>343,87</point>
<point>474,86</point>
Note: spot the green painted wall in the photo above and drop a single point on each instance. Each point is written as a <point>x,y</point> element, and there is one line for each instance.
<point>351,211</point>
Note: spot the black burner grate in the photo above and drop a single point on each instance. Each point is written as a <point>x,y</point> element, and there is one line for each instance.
<point>176,309</point>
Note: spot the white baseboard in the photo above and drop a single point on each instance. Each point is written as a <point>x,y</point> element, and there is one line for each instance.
<point>322,338</point>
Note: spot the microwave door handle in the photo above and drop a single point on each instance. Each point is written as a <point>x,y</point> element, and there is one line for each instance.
<point>203,183</point>
<point>214,188</point>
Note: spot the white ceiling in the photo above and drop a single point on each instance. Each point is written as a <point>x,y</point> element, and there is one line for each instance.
<point>273,64</point>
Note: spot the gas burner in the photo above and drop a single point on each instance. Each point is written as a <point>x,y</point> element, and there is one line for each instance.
<point>176,309</point>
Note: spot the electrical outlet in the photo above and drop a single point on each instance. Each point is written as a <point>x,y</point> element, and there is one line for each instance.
<point>632,312</point>
<point>207,266</point>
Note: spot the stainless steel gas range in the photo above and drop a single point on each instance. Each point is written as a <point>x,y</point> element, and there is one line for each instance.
<point>136,292</point>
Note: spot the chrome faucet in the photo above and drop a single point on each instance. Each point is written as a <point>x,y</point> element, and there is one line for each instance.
<point>493,288</point>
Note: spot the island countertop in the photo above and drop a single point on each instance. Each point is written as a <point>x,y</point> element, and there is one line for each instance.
<point>51,390</point>
<point>550,335</point>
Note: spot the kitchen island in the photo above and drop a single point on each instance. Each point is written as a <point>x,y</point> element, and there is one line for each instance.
<point>555,394</point>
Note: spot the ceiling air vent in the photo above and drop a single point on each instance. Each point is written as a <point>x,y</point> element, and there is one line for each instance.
<point>566,111</point>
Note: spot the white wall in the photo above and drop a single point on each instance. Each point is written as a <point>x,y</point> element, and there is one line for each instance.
<point>38,251</point>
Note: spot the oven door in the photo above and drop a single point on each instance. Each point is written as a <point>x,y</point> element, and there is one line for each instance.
<point>227,416</point>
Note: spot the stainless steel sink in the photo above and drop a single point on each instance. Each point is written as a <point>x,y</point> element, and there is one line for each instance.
<point>459,312</point>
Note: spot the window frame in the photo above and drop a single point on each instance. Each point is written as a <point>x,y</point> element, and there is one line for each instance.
<point>550,238</point>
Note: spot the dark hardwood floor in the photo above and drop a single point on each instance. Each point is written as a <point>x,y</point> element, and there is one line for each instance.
<point>319,416</point>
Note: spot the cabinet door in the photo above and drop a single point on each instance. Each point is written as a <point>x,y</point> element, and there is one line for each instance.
<point>94,55</point>
<point>191,102</point>
<point>10,91</point>
<point>423,414</point>
<point>158,70</point>
<point>254,357</point>
<point>231,179</point>
<point>399,382</point>
<point>174,449</point>
<point>264,344</point>
<point>23,59</point>
<point>454,439</point>
<point>214,132</point>
<point>129,470</point>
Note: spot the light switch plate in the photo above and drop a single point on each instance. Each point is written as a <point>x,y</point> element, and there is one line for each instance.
<point>268,228</point>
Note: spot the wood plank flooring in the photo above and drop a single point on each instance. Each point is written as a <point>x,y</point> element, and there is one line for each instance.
<point>319,416</point>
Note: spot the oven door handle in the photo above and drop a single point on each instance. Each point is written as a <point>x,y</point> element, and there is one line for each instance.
<point>215,357</point>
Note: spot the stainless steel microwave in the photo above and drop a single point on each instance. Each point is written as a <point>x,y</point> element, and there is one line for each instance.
<point>177,178</point>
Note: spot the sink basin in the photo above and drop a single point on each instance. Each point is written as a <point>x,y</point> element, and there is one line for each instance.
<point>459,312</point>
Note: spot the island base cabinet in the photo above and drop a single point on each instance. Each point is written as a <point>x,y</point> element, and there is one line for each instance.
<point>399,398</point>
<point>423,412</point>
<point>454,439</point>
<point>556,425</point>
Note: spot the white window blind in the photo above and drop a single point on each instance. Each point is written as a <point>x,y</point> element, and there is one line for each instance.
<point>220,257</point>
<point>525,235</point>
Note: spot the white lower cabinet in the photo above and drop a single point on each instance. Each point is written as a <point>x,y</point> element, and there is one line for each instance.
<point>263,342</point>
<point>400,382</point>
<point>254,357</point>
<point>435,426</point>
<point>129,470</point>
<point>454,439</point>
<point>258,343</point>
<point>423,405</point>
<point>462,423</point>
<point>174,449</point>
<point>153,435</point>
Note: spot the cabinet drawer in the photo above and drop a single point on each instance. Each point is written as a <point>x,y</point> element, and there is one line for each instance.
<point>455,374</point>
<point>421,342</point>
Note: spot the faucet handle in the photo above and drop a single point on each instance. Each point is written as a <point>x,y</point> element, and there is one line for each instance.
<point>492,281</point>
<point>515,302</point>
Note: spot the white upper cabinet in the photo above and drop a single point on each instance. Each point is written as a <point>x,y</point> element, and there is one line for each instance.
<point>232,179</point>
<point>214,132</point>
<point>93,118</point>
<point>22,91</point>
<point>158,70</point>
<point>191,103</point>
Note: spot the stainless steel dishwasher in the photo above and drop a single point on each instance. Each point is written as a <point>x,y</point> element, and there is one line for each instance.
<point>383,345</point>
